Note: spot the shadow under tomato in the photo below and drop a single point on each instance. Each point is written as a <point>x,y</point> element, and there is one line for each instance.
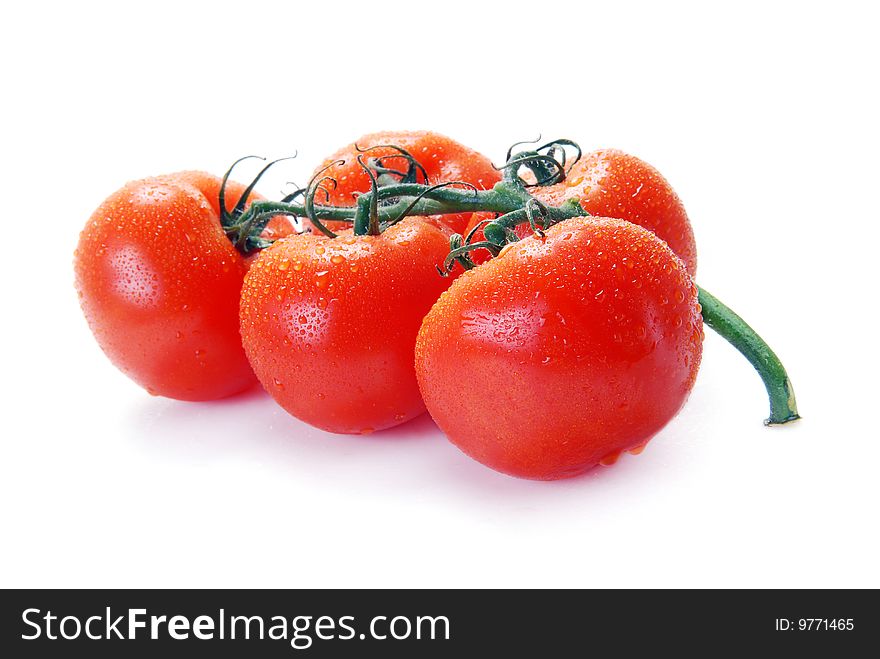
<point>411,460</point>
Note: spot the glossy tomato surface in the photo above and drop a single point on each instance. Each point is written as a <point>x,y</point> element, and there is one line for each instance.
<point>561,353</point>
<point>443,158</point>
<point>330,324</point>
<point>209,185</point>
<point>611,183</point>
<point>159,284</point>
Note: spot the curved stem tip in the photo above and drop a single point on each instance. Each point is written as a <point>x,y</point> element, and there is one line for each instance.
<point>783,406</point>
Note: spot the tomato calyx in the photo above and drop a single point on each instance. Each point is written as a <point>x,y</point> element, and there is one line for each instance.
<point>548,164</point>
<point>387,175</point>
<point>242,227</point>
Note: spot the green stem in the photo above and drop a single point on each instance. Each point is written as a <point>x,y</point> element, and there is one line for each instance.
<point>341,213</point>
<point>783,406</point>
<point>499,230</point>
<point>503,198</point>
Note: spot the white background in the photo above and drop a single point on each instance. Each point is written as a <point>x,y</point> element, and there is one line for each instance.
<point>764,118</point>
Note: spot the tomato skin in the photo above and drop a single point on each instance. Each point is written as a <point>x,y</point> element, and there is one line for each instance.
<point>443,158</point>
<point>559,354</point>
<point>159,285</point>
<point>611,183</point>
<point>278,227</point>
<point>330,325</point>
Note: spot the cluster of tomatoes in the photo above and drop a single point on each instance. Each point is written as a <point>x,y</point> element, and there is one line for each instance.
<point>572,344</point>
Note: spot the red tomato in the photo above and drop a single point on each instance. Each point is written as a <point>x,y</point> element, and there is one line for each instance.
<point>611,183</point>
<point>560,353</point>
<point>159,284</point>
<point>330,325</point>
<point>444,160</point>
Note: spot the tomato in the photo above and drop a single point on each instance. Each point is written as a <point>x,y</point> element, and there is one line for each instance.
<point>159,284</point>
<point>561,353</point>
<point>443,159</point>
<point>611,183</point>
<point>330,325</point>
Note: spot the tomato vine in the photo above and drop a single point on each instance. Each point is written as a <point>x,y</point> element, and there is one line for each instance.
<point>396,193</point>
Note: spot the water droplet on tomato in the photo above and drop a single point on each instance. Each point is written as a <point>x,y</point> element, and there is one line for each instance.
<point>337,259</point>
<point>610,459</point>
<point>298,266</point>
<point>284,264</point>
<point>278,383</point>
